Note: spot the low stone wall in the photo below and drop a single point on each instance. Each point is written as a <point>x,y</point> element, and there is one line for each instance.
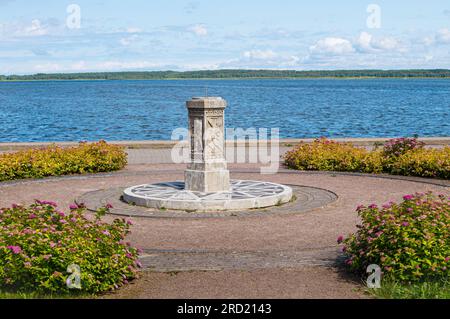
<point>367,142</point>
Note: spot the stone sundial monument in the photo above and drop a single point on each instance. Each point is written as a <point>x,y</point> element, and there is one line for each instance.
<point>207,171</point>
<point>207,186</point>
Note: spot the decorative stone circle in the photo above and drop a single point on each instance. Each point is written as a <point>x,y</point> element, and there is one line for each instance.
<point>243,195</point>
<point>304,200</point>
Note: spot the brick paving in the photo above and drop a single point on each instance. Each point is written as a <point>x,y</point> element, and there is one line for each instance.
<point>275,255</point>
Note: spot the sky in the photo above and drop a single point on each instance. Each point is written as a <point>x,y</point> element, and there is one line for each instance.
<point>49,36</point>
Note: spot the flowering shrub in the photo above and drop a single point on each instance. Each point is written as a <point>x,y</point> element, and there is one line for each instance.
<point>424,162</point>
<point>399,146</point>
<point>326,155</point>
<point>38,243</point>
<point>400,156</point>
<point>55,161</point>
<point>409,240</point>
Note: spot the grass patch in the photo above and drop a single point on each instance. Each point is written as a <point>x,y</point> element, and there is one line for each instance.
<point>34,295</point>
<point>391,289</point>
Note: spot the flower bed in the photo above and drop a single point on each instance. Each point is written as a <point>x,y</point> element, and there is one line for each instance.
<point>42,249</point>
<point>410,240</point>
<point>56,161</point>
<point>399,156</point>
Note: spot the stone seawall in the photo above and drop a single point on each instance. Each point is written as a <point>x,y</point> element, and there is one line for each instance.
<point>160,152</point>
<point>368,142</point>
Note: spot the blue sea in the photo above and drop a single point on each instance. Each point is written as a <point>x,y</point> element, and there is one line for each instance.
<point>150,110</point>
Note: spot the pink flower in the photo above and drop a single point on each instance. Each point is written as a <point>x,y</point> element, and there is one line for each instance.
<point>15,249</point>
<point>32,216</point>
<point>447,259</point>
<point>45,202</point>
<point>52,244</point>
<point>61,214</point>
<point>109,206</point>
<point>73,206</point>
<point>105,232</point>
<point>408,197</point>
<point>129,222</point>
<point>405,224</point>
<point>340,239</point>
<point>373,206</point>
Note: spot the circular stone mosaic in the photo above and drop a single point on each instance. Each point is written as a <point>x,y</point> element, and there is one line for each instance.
<point>304,199</point>
<point>243,195</point>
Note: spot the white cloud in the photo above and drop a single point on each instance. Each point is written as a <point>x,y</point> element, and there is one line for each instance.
<point>428,58</point>
<point>254,59</point>
<point>440,37</point>
<point>79,66</point>
<point>134,30</point>
<point>443,36</point>
<point>386,44</point>
<point>48,67</point>
<point>86,66</point>
<point>199,30</point>
<point>123,65</point>
<point>333,46</point>
<point>21,29</point>
<point>36,29</point>
<point>191,7</point>
<point>128,40</point>
<point>366,43</point>
<point>259,54</point>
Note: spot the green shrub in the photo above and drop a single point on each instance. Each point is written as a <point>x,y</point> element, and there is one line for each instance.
<point>410,241</point>
<point>38,243</point>
<point>400,156</point>
<point>55,161</point>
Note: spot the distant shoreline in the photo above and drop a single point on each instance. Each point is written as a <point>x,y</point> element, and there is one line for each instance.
<point>233,79</point>
<point>234,75</point>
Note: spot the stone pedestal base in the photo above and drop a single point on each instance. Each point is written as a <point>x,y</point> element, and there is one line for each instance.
<point>242,195</point>
<point>207,181</point>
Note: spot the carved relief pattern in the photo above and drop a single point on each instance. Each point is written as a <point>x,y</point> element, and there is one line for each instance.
<point>214,138</point>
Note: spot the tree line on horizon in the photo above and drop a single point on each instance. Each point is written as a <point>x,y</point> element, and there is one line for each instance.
<point>230,74</point>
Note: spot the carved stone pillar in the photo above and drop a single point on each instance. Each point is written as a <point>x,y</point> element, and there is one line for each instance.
<point>207,170</point>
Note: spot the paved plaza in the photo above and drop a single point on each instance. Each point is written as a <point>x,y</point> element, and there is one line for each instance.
<point>292,255</point>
